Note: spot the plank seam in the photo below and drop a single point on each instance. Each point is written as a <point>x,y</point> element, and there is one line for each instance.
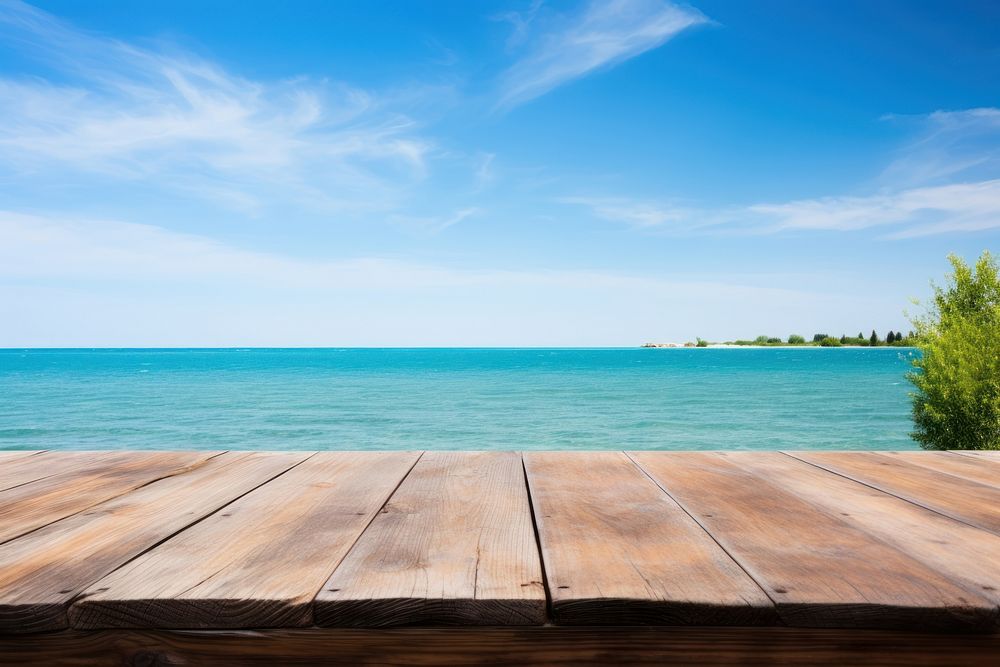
<point>538,541</point>
<point>890,493</point>
<point>104,500</point>
<point>143,552</point>
<point>694,518</point>
<point>347,552</point>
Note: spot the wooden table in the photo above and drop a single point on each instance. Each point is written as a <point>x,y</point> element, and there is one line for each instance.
<point>499,557</point>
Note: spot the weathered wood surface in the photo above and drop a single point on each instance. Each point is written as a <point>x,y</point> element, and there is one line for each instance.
<point>966,554</point>
<point>510,647</point>
<point>22,470</point>
<point>257,563</point>
<point>991,454</point>
<point>34,504</point>
<point>982,470</point>
<point>960,498</point>
<point>820,570</point>
<point>7,456</point>
<point>619,550</point>
<point>238,540</point>
<point>42,572</point>
<point>454,546</point>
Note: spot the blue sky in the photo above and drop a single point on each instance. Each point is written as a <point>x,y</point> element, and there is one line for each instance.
<point>511,173</point>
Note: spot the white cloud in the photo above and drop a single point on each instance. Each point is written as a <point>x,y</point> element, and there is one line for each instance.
<point>944,181</point>
<point>959,207</point>
<point>634,213</point>
<point>67,281</point>
<point>948,146</point>
<point>433,225</point>
<point>605,33</point>
<point>132,113</point>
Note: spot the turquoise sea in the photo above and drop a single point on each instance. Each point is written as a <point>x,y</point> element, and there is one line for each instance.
<point>763,398</point>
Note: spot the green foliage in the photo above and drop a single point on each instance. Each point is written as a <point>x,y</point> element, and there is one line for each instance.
<point>956,404</point>
<point>761,340</point>
<point>873,341</point>
<point>774,341</point>
<point>818,338</point>
<point>890,337</point>
<point>829,342</point>
<point>796,339</point>
<point>702,343</point>
<point>843,339</point>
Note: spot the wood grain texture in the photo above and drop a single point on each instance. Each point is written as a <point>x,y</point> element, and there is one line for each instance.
<point>969,556</point>
<point>24,470</point>
<point>982,469</point>
<point>992,454</point>
<point>8,456</point>
<point>617,550</point>
<point>40,573</point>
<point>974,503</point>
<point>820,570</point>
<point>454,545</point>
<point>29,506</point>
<point>512,647</point>
<point>259,562</point>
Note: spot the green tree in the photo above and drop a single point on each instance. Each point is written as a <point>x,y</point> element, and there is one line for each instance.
<point>874,339</point>
<point>861,336</point>
<point>796,339</point>
<point>956,404</point>
<point>818,337</point>
<point>890,337</point>
<point>843,339</point>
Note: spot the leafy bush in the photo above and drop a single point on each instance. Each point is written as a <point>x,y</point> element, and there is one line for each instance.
<point>702,343</point>
<point>774,341</point>
<point>956,404</point>
<point>761,340</point>
<point>796,339</point>
<point>829,342</point>
<point>818,338</point>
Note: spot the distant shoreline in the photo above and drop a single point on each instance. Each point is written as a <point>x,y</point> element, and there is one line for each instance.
<point>732,346</point>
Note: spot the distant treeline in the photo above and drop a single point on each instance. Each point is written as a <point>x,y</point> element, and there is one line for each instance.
<point>894,338</point>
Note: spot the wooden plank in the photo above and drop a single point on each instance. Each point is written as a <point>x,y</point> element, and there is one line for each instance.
<point>820,570</point>
<point>990,455</point>
<point>967,555</point>
<point>972,502</point>
<point>46,464</point>
<point>11,455</point>
<point>40,573</point>
<point>29,506</point>
<point>455,545</point>
<point>511,647</point>
<point>617,550</point>
<point>982,470</point>
<point>260,561</point>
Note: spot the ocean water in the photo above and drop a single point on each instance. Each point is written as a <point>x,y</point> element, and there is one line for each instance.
<point>755,398</point>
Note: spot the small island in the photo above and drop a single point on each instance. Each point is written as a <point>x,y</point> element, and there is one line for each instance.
<point>892,339</point>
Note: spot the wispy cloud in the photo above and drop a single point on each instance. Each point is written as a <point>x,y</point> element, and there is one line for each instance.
<point>134,113</point>
<point>127,284</point>
<point>949,145</point>
<point>605,33</point>
<point>959,207</point>
<point>432,224</point>
<point>634,213</point>
<point>934,191</point>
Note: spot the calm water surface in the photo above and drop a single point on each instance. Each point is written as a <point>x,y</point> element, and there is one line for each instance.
<point>456,399</point>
